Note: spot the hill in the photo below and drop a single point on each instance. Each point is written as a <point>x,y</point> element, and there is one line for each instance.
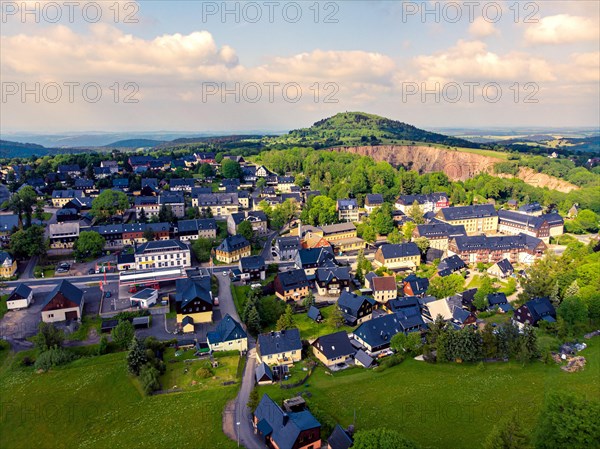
<point>134,143</point>
<point>358,128</point>
<point>18,149</point>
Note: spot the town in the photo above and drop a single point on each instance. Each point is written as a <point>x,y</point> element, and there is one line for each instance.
<point>212,269</point>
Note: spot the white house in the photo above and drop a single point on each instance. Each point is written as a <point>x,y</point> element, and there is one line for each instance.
<point>20,298</point>
<point>145,298</point>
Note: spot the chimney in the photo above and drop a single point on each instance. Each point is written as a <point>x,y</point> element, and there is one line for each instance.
<point>285,419</point>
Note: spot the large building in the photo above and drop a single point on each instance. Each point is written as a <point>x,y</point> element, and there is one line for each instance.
<point>233,248</point>
<point>193,302</point>
<point>438,233</point>
<point>220,204</point>
<point>64,303</point>
<point>431,202</point>
<point>62,197</point>
<point>291,285</point>
<point>398,256</point>
<point>347,210</point>
<point>63,235</point>
<point>188,230</point>
<point>256,218</point>
<point>163,254</point>
<point>519,248</point>
<point>479,219</point>
<point>541,226</point>
<point>279,348</point>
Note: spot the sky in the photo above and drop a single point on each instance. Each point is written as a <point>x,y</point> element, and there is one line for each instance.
<point>196,66</point>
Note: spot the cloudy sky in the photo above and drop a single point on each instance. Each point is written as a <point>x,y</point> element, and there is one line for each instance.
<point>219,66</point>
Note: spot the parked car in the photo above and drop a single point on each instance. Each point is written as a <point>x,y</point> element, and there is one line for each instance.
<point>216,300</point>
<point>107,294</point>
<point>91,271</point>
<point>64,266</point>
<point>224,273</point>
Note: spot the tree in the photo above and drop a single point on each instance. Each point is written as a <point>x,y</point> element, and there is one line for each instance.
<point>143,218</point>
<point>381,439</point>
<point>443,287</point>
<point>102,345</point>
<point>368,233</point>
<point>39,211</point>
<point>382,219</point>
<point>480,300</point>
<point>149,234</point>
<point>573,310</point>
<point>245,229</point>
<point>123,334</point>
<point>527,345</point>
<point>109,203</point>
<point>336,318</point>
<point>507,434</point>
<point>488,340</point>
<point>253,399</point>
<point>136,358</point>
<point>48,337</point>
<point>22,202</point>
<point>319,210</point>
<point>149,378</point>
<point>206,170</point>
<point>588,220</point>
<point>568,420</point>
<point>309,300</point>
<point>572,290</point>
<point>29,242</point>
<point>416,213</point>
<point>253,320</point>
<point>166,215</point>
<point>410,343</point>
<point>202,249</point>
<point>286,321</point>
<point>89,244</point>
<point>394,236</point>
<point>422,243</point>
<point>231,169</point>
<point>407,229</point>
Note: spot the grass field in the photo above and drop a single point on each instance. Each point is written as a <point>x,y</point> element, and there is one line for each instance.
<point>443,406</point>
<point>310,330</point>
<point>94,403</point>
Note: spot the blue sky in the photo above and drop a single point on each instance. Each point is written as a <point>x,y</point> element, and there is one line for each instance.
<point>379,57</point>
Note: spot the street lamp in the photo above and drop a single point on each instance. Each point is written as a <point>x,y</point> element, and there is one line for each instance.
<point>238,432</point>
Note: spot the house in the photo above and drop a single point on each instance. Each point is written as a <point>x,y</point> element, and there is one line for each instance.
<point>69,170</point>
<point>342,236</point>
<point>439,233</point>
<point>520,248</point>
<point>375,334</point>
<point>363,359</point>
<point>451,311</point>
<point>398,256</point>
<point>373,201</point>
<point>534,209</point>
<point>219,204</point>
<point>356,309</point>
<point>332,280</point>
<point>431,202</point>
<point>502,269</point>
<point>253,268</point>
<point>286,430</point>
<point>193,301</point>
<point>287,247</point>
<point>205,228</point>
<point>534,311</point>
<point>333,349</point>
<point>163,254</point>
<point>67,214</point>
<point>62,197</point>
<point>144,298</point>
<point>256,218</point>
<point>146,205</point>
<point>476,219</point>
<point>181,185</point>
<point>285,183</point>
<point>233,248</point>
<point>8,223</point>
<point>173,200</point>
<point>85,185</point>
<point>279,347</point>
<point>64,303</point>
<point>63,235</point>
<point>451,265</point>
<point>112,166</point>
<point>205,158</point>
<point>8,265</point>
<point>311,259</point>
<point>291,285</point>
<point>495,300</point>
<point>384,288</point>
<point>314,314</point>
<point>347,210</point>
<point>540,226</point>
<point>412,285</point>
<point>134,233</point>
<point>113,234</point>
<point>228,336</point>
<point>19,298</point>
<point>263,374</point>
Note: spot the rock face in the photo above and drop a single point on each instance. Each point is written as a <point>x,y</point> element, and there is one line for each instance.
<point>457,165</point>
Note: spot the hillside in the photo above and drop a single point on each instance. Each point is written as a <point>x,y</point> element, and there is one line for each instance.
<point>134,143</point>
<point>358,128</point>
<point>17,149</point>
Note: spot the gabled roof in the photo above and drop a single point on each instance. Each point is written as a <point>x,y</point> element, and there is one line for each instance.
<point>417,284</point>
<point>339,439</point>
<point>263,370</point>
<point>228,329</point>
<point>8,222</point>
<point>314,256</point>
<point>334,345</point>
<point>188,290</point>
<point>505,266</point>
<point>292,279</point>
<point>253,263</point>
<point>467,212</point>
<point>440,229</point>
<point>379,331</point>
<point>540,307</point>
<point>495,299</point>
<point>314,313</point>
<point>374,199</point>
<point>422,199</point>
<point>383,283</point>
<point>347,204</point>
<point>365,359</point>
<point>327,274</point>
<point>21,291</point>
<point>349,303</point>
<point>497,243</point>
<point>68,290</point>
<point>280,341</point>
<point>531,207</point>
<point>452,263</point>
<point>164,245</point>
<point>288,242</point>
<point>233,243</point>
<point>398,250</point>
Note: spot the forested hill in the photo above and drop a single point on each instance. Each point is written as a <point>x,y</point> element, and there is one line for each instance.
<point>17,149</point>
<point>358,128</point>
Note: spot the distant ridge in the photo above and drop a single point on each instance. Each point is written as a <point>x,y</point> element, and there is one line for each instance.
<point>135,143</point>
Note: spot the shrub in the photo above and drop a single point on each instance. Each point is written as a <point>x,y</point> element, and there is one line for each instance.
<point>390,361</point>
<point>204,373</point>
<point>53,357</point>
<point>149,379</point>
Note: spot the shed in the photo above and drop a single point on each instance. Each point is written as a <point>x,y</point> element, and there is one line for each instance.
<point>141,322</point>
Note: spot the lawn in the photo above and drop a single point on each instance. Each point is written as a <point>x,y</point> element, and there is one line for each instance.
<point>3,306</point>
<point>184,375</point>
<point>94,403</point>
<point>443,406</point>
<point>310,330</point>
<point>88,323</point>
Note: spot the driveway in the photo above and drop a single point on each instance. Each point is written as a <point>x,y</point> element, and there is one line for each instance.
<point>243,415</point>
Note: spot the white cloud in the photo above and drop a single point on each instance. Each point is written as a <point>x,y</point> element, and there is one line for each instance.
<point>482,28</point>
<point>562,29</point>
<point>472,61</point>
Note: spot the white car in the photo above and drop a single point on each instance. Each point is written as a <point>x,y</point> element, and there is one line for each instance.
<point>224,273</point>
